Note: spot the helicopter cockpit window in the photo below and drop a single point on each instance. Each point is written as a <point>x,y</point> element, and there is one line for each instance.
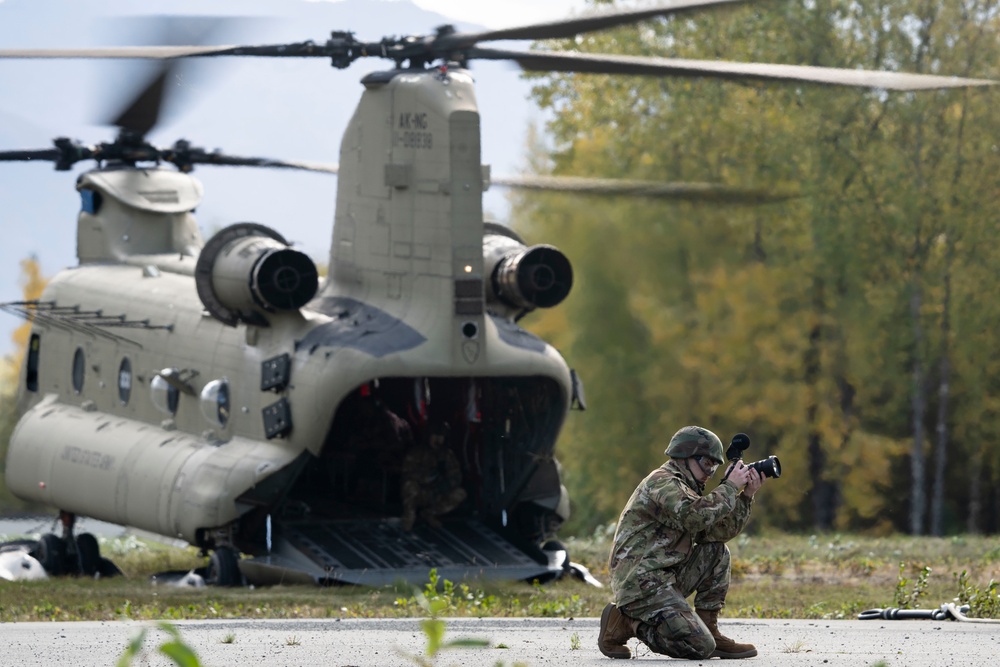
<point>215,402</point>
<point>79,367</point>
<point>31,375</point>
<point>165,396</point>
<point>125,381</point>
<point>90,201</point>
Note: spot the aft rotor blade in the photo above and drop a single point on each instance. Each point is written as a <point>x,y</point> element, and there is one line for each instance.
<point>582,24</point>
<point>46,154</point>
<point>571,61</point>
<point>237,161</point>
<point>580,185</point>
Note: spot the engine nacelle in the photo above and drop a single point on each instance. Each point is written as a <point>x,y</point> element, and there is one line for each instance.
<point>247,270</point>
<point>522,278</point>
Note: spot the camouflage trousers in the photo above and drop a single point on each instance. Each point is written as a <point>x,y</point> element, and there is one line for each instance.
<point>668,624</point>
<point>430,503</point>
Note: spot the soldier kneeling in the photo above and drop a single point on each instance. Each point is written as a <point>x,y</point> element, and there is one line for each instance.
<point>670,543</point>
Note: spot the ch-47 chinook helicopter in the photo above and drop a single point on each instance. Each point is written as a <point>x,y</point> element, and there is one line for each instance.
<point>220,392</point>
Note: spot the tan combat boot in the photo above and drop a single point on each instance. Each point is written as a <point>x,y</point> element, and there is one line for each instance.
<point>724,646</point>
<point>616,629</point>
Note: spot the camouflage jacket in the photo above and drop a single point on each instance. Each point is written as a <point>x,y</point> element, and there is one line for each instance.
<point>436,470</point>
<point>665,517</point>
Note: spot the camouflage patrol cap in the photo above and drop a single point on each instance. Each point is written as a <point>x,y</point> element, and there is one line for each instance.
<point>695,441</point>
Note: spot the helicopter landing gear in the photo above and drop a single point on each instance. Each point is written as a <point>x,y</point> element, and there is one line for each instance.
<point>78,555</point>
<point>51,553</point>
<point>88,555</point>
<point>561,565</point>
<point>558,557</point>
<point>224,568</point>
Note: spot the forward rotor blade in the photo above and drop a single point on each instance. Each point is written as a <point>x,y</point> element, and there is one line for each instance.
<point>46,154</point>
<point>578,25</point>
<point>120,52</point>
<point>700,192</point>
<point>144,111</point>
<point>571,61</point>
<point>140,112</point>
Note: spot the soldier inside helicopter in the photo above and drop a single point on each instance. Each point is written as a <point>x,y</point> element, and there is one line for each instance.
<point>432,479</point>
<point>361,471</point>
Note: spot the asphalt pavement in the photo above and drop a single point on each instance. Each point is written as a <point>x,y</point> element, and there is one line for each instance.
<point>521,641</point>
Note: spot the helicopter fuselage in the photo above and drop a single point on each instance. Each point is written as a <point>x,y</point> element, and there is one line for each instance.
<point>157,394</point>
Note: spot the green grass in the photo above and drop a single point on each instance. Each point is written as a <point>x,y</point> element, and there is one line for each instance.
<point>774,576</point>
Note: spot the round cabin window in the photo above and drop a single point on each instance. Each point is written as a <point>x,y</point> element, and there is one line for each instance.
<point>165,396</point>
<point>125,381</point>
<point>215,402</point>
<point>79,367</point>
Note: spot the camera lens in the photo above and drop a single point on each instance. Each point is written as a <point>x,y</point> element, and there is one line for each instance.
<point>769,467</point>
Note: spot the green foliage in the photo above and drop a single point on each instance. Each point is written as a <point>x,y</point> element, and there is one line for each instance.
<point>133,649</point>
<point>173,647</point>
<point>823,576</point>
<point>543,602</point>
<point>908,599</point>
<point>439,596</point>
<point>820,326</point>
<point>983,602</point>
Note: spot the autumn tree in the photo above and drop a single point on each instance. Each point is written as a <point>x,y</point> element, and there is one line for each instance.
<point>32,284</point>
<point>818,326</point>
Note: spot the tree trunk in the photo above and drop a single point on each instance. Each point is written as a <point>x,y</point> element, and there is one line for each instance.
<point>823,491</point>
<point>975,475</point>
<point>918,495</point>
<point>941,445</point>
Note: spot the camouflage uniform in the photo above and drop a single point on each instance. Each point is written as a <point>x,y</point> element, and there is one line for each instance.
<point>432,483</point>
<point>670,543</point>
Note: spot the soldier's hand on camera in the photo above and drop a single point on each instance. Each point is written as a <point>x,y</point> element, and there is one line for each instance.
<point>754,481</point>
<point>740,474</point>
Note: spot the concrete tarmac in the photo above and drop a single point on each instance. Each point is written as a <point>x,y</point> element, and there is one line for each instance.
<point>533,642</point>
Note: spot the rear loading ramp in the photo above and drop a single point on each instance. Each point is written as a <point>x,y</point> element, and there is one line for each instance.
<point>380,552</point>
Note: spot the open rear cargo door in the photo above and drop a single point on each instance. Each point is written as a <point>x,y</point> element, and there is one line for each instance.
<point>379,552</point>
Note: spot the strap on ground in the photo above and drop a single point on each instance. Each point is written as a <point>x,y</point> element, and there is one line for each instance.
<point>946,612</point>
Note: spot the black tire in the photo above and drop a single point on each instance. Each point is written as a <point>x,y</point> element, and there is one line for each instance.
<point>224,568</point>
<point>109,569</point>
<point>51,553</point>
<point>556,545</point>
<point>553,545</point>
<point>88,554</point>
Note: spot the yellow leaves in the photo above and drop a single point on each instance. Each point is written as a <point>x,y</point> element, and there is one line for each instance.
<point>552,325</point>
<point>8,378</point>
<point>865,466</point>
<point>789,322</point>
<point>32,285</point>
<point>744,320</point>
<point>32,281</point>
